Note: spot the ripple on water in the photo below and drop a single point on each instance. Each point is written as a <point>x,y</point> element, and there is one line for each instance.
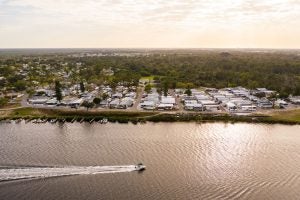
<point>184,160</point>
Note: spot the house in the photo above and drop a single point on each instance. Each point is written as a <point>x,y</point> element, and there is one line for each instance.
<point>168,100</point>
<point>117,95</point>
<point>264,103</point>
<point>281,103</point>
<point>131,95</point>
<point>76,102</point>
<point>240,92</point>
<point>114,103</point>
<point>193,106</point>
<point>231,106</point>
<point>190,102</point>
<point>38,101</point>
<point>248,108</point>
<point>295,100</point>
<point>243,102</point>
<point>166,103</point>
<point>103,103</point>
<point>165,106</point>
<point>265,91</point>
<point>186,97</point>
<point>202,97</point>
<point>125,103</point>
<point>148,105</point>
<point>210,105</point>
<point>52,102</point>
<point>152,97</point>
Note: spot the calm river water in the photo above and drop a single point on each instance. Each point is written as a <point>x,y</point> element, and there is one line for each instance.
<point>184,161</point>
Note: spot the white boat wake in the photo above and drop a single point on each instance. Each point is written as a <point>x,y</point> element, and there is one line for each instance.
<point>9,174</point>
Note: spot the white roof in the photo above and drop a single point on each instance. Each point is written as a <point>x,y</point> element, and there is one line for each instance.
<point>116,102</point>
<point>230,104</point>
<point>207,102</point>
<point>168,100</point>
<point>52,101</point>
<point>190,102</point>
<point>162,105</point>
<point>148,103</point>
<point>201,97</point>
<point>77,101</point>
<point>197,105</point>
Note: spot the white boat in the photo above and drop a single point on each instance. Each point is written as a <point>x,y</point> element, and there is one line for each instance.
<point>140,167</point>
<point>105,120</point>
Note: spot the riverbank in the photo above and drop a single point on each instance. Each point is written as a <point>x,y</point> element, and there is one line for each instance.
<point>282,117</point>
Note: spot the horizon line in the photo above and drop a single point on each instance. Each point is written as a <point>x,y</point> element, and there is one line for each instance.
<point>154,48</point>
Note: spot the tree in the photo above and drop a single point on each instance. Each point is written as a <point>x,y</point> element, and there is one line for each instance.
<point>96,100</point>
<point>148,88</point>
<point>104,96</point>
<point>87,105</point>
<point>82,88</point>
<point>188,92</point>
<point>260,94</point>
<point>3,101</point>
<point>165,89</point>
<point>58,91</point>
<point>20,85</point>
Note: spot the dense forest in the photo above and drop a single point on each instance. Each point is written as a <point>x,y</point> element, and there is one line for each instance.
<point>275,70</point>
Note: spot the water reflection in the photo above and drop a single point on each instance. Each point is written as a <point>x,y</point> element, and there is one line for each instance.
<point>184,160</point>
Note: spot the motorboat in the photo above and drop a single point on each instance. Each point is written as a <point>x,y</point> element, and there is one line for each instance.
<point>140,167</point>
<point>105,120</point>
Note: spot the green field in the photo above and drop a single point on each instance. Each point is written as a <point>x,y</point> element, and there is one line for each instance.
<point>287,115</point>
<point>277,117</point>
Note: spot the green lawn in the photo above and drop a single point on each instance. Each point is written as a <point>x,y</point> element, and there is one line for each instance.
<point>147,78</point>
<point>289,115</point>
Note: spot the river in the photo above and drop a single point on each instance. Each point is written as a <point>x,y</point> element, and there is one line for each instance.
<point>183,160</point>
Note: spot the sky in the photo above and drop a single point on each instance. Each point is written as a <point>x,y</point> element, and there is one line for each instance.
<point>149,24</point>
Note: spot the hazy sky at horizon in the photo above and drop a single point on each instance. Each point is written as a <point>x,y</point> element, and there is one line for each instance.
<point>150,23</point>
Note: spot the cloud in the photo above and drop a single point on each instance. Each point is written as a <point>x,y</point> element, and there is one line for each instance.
<point>145,22</point>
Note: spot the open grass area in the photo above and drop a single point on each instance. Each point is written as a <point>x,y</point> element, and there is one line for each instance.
<point>281,117</point>
<point>28,112</point>
<point>10,105</point>
<point>287,115</point>
<point>150,78</point>
<point>39,112</point>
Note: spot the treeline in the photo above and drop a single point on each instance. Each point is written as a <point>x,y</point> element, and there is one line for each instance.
<point>276,71</point>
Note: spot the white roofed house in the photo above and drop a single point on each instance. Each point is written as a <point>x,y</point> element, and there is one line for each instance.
<point>126,103</point>
<point>114,103</point>
<point>295,100</point>
<point>194,106</point>
<point>231,106</point>
<point>166,103</point>
<point>264,103</point>
<point>152,97</point>
<point>165,106</point>
<point>103,103</point>
<point>281,103</point>
<point>240,92</point>
<point>244,105</point>
<point>265,91</point>
<point>168,100</point>
<point>117,95</point>
<point>131,95</point>
<point>210,105</point>
<point>52,102</point>
<point>38,101</point>
<point>202,97</point>
<point>76,102</point>
<point>148,105</point>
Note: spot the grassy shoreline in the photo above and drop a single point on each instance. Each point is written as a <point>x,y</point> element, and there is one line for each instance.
<point>284,117</point>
